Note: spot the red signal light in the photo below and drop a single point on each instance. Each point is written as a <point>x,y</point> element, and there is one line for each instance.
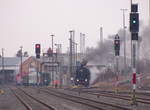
<point>37,48</point>
<point>37,45</point>
<point>116,42</point>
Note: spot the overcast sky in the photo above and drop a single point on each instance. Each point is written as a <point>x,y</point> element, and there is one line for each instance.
<point>27,22</point>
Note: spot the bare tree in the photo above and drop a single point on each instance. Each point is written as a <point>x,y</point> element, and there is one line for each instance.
<point>19,54</point>
<point>25,54</point>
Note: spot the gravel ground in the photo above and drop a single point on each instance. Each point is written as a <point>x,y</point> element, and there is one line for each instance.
<point>58,103</point>
<point>121,102</point>
<point>33,104</point>
<point>8,101</point>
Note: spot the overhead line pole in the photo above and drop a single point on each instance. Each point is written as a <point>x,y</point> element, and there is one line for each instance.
<point>52,61</point>
<point>131,3</point>
<point>124,36</point>
<point>76,54</point>
<point>21,63</point>
<point>3,62</point>
<point>2,58</point>
<point>101,36</point>
<point>149,12</point>
<point>70,56</point>
<point>84,45</point>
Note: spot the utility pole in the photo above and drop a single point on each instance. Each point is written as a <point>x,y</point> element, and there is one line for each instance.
<point>82,45</point>
<point>3,63</point>
<point>57,61</point>
<point>73,51</point>
<point>149,12</point>
<point>70,57</point>
<point>60,48</point>
<point>21,63</point>
<point>2,58</point>
<point>131,3</point>
<point>76,54</point>
<point>124,36</point>
<point>52,61</point>
<point>101,36</point>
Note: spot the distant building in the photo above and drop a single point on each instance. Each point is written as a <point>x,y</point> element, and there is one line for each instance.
<point>42,71</point>
<point>9,68</point>
<point>30,70</point>
<point>36,70</point>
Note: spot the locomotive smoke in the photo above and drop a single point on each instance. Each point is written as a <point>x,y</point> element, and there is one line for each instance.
<point>145,43</point>
<point>94,73</point>
<point>104,53</point>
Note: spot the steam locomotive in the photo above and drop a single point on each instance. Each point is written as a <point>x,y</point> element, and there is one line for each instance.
<point>82,77</point>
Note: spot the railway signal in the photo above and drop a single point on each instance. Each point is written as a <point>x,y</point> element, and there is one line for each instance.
<point>117,45</point>
<point>134,29</point>
<point>37,50</point>
<point>134,19</point>
<point>134,22</point>
<point>117,54</point>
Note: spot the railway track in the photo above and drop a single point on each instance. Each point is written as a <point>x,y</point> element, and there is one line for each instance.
<point>114,95</point>
<point>30,102</point>
<point>85,101</point>
<point>119,92</point>
<point>128,98</point>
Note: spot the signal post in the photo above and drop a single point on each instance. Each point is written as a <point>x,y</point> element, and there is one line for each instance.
<point>117,54</point>
<point>37,52</point>
<point>134,29</point>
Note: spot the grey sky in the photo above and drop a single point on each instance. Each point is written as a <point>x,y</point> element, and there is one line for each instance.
<point>26,22</point>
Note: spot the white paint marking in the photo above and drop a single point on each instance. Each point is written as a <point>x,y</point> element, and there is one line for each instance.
<point>70,107</point>
<point>134,86</point>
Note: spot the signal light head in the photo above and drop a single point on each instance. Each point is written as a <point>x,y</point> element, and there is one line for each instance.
<point>117,45</point>
<point>37,50</point>
<point>134,22</point>
<point>116,42</point>
<point>37,45</point>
